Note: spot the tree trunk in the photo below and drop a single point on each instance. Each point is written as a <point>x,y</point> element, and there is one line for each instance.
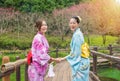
<point>104,39</point>
<point>88,38</point>
<point>1,30</point>
<point>62,37</point>
<point>118,40</point>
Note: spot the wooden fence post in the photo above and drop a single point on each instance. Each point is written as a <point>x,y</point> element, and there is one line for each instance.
<point>95,61</point>
<point>110,49</point>
<point>26,70</point>
<point>6,59</point>
<point>18,71</point>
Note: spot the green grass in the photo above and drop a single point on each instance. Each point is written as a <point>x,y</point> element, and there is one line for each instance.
<point>60,54</point>
<point>22,70</point>
<point>109,73</point>
<point>96,40</point>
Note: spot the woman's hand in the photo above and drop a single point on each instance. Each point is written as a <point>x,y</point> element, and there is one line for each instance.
<point>54,59</point>
<point>60,59</point>
<point>50,60</point>
<point>57,59</point>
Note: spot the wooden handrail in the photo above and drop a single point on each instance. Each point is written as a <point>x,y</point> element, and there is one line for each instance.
<point>94,53</point>
<point>12,65</point>
<point>110,57</point>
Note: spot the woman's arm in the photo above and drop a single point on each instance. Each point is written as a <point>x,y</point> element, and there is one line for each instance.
<point>62,59</point>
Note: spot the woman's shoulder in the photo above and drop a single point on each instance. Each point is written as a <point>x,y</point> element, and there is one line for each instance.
<point>38,36</point>
<point>78,33</point>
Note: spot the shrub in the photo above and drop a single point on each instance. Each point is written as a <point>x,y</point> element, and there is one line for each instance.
<point>57,42</point>
<point>12,43</point>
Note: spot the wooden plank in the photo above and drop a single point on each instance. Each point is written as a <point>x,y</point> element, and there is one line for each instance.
<point>58,72</point>
<point>67,73</point>
<point>93,77</point>
<point>99,60</point>
<point>63,73</point>
<point>56,69</point>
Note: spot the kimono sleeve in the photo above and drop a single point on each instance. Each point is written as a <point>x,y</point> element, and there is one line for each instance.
<point>75,54</point>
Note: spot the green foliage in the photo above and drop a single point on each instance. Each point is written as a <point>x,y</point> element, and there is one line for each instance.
<point>57,42</point>
<point>38,5</point>
<point>60,54</point>
<point>109,73</point>
<point>96,40</point>
<point>23,42</point>
<point>118,41</point>
<point>12,43</point>
<point>9,2</point>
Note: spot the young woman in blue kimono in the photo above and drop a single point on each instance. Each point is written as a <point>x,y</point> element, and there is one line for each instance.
<point>79,64</point>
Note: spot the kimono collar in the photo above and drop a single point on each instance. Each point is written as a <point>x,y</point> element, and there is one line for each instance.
<point>77,29</point>
<point>44,39</point>
<point>40,33</point>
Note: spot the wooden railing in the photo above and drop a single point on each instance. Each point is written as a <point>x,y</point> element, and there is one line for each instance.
<point>95,54</point>
<point>110,48</point>
<point>8,67</point>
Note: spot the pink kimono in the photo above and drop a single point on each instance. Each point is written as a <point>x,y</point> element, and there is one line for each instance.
<point>40,58</point>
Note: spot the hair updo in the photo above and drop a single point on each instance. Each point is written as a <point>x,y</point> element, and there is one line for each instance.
<point>77,18</point>
<point>38,24</point>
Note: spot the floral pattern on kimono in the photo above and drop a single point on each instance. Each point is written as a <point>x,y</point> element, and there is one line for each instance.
<point>40,58</point>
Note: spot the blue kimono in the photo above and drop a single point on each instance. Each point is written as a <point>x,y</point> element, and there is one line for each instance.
<point>79,65</point>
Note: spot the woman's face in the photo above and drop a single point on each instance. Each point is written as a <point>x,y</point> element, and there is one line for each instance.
<point>73,24</point>
<point>43,27</point>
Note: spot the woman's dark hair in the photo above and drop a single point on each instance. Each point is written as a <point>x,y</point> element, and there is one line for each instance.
<point>77,18</point>
<point>38,24</point>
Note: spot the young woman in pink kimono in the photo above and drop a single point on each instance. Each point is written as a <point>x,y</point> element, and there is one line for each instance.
<point>40,57</point>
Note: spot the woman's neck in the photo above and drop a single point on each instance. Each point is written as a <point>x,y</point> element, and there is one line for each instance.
<point>75,29</point>
<point>41,33</point>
